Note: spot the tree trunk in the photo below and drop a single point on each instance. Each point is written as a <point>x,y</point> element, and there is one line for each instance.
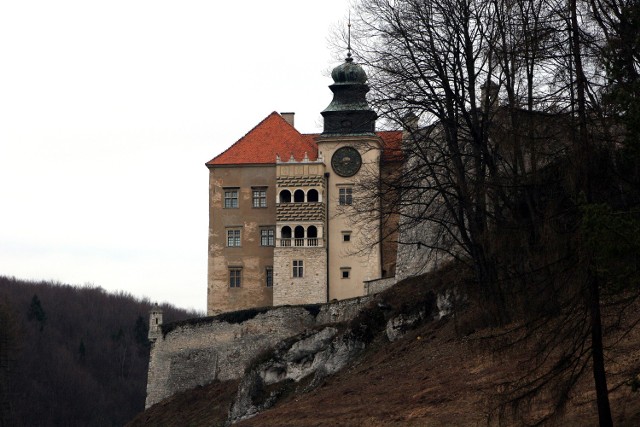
<point>584,185</point>
<point>597,353</point>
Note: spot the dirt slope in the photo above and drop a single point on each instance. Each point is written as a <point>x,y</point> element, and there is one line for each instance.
<point>435,375</point>
<point>428,378</point>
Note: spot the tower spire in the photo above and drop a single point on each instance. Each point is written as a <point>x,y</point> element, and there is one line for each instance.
<point>349,113</point>
<point>349,58</point>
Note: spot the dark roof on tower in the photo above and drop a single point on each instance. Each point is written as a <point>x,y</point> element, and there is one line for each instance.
<point>349,113</point>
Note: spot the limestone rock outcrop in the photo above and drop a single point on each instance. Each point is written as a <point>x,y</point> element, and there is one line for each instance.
<point>312,355</point>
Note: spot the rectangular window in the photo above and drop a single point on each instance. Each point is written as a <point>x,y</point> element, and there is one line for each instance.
<point>233,238</point>
<point>298,269</point>
<point>346,236</point>
<point>235,277</point>
<point>269,277</point>
<point>345,272</point>
<point>259,197</point>
<point>230,198</point>
<point>267,237</point>
<point>345,196</point>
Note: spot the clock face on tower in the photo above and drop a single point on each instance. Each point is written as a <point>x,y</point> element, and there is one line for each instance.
<point>346,161</point>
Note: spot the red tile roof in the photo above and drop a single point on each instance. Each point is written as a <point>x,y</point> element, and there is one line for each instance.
<point>275,136</point>
<point>272,136</point>
<point>391,145</point>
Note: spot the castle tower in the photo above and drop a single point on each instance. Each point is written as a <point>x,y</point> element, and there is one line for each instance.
<point>353,153</point>
<point>155,323</point>
<point>349,112</point>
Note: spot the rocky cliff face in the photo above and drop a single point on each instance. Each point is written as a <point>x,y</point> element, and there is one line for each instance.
<point>196,352</point>
<point>302,362</point>
<point>311,355</point>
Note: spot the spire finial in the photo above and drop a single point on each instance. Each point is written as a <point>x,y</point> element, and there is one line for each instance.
<point>349,58</point>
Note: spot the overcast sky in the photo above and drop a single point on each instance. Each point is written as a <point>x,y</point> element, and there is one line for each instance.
<point>109,111</point>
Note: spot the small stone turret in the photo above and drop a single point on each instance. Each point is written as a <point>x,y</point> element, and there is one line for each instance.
<point>155,323</point>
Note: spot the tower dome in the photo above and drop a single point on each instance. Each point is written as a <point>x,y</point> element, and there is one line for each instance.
<point>349,73</point>
<point>349,112</point>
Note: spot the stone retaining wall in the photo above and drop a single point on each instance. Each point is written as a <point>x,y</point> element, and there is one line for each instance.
<point>198,351</point>
<point>372,287</point>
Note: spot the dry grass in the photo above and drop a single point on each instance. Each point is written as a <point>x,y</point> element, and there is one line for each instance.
<point>440,374</point>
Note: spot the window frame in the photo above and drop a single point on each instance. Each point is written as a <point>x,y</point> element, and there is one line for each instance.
<point>268,278</point>
<point>270,237</point>
<point>298,268</point>
<point>235,239</point>
<point>345,272</point>
<point>346,236</point>
<point>260,198</point>
<point>235,277</point>
<point>345,196</point>
<point>231,198</point>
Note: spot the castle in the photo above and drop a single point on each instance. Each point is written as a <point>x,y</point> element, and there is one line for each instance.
<point>281,223</point>
<point>284,231</point>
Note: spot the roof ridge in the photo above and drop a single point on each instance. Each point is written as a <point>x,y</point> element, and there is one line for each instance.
<point>244,136</point>
<point>271,138</point>
<point>289,145</point>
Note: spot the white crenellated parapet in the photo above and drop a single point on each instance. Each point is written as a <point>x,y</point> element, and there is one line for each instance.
<point>305,159</point>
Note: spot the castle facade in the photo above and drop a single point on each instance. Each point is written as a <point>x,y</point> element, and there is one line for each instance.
<point>283,229</point>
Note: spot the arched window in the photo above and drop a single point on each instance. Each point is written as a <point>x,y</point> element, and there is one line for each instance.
<point>285,196</point>
<point>298,234</point>
<point>285,236</point>
<point>312,236</point>
<point>298,196</point>
<point>312,195</point>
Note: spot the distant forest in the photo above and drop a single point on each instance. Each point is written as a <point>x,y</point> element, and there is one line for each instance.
<point>72,356</point>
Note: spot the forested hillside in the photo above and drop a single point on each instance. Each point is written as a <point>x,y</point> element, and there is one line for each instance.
<point>72,356</point>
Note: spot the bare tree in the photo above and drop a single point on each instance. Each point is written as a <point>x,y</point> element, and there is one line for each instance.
<point>430,59</point>
<point>507,160</point>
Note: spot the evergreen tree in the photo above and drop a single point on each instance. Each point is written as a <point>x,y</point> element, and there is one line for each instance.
<point>141,332</point>
<point>36,312</point>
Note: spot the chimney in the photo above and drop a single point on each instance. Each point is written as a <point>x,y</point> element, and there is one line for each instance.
<point>289,118</point>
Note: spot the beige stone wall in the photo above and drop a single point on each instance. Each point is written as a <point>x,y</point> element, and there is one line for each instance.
<point>309,289</point>
<point>198,351</point>
<point>361,256</point>
<point>251,257</point>
<point>375,286</point>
